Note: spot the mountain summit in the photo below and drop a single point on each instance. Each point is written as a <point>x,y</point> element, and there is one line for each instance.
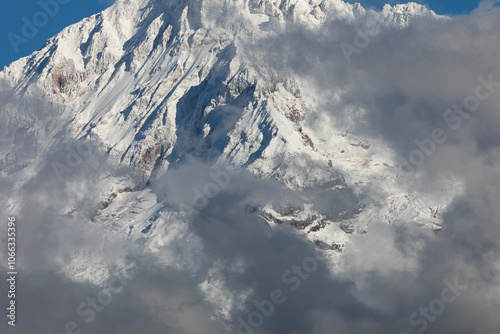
<point>151,80</point>
<point>156,86</point>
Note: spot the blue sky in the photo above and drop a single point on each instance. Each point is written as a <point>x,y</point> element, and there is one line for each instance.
<point>14,12</point>
<point>11,21</point>
<point>448,7</point>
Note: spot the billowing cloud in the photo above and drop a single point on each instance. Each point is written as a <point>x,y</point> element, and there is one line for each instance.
<point>405,83</point>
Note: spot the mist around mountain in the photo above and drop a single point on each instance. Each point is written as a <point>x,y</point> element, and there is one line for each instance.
<point>293,166</point>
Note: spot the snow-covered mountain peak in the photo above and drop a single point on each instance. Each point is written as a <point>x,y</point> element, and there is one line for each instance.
<point>135,26</point>
<point>150,79</point>
<point>154,84</point>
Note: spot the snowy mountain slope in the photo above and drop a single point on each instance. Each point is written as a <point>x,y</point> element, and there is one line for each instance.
<point>155,84</point>
<point>125,74</point>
